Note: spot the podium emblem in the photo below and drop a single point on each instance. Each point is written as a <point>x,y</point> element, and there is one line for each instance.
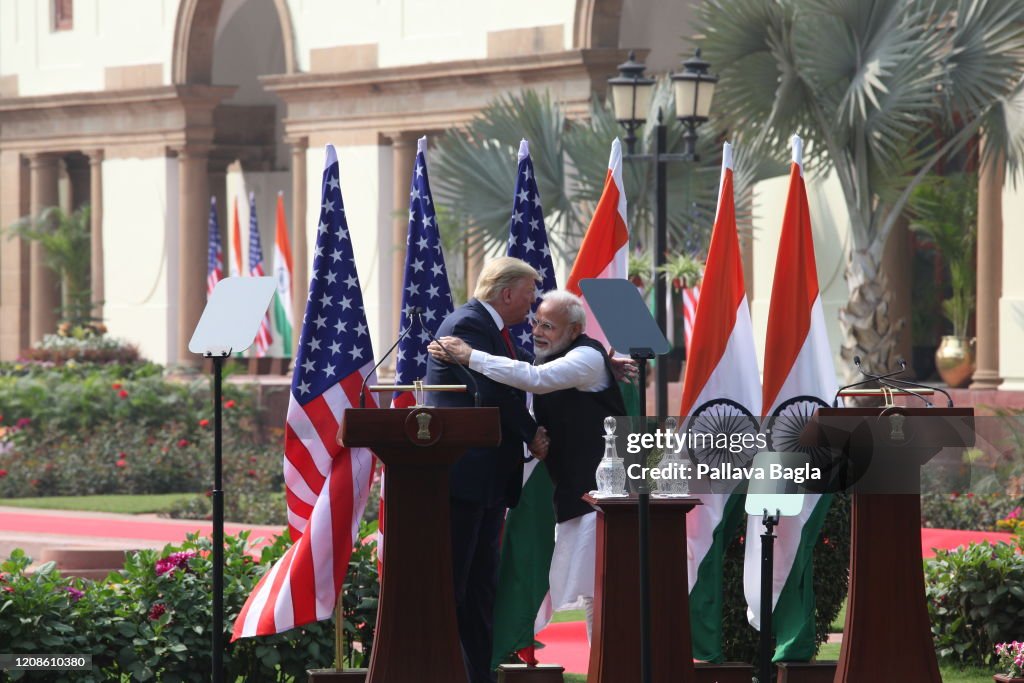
<point>896,423</point>
<point>423,420</point>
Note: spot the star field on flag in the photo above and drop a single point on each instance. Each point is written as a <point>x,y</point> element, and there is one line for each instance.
<point>528,239</point>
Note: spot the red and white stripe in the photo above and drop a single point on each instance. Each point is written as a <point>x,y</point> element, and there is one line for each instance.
<point>263,337</point>
<point>691,295</point>
<point>326,489</point>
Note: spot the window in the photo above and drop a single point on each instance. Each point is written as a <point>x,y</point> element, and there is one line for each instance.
<point>62,15</point>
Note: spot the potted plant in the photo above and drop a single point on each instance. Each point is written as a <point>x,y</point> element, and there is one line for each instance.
<point>1011,662</point>
<point>682,272</point>
<point>945,210</point>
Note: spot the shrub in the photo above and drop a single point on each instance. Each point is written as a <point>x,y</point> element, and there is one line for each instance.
<point>968,511</point>
<point>151,620</point>
<point>60,349</point>
<point>975,599</point>
<point>831,580</point>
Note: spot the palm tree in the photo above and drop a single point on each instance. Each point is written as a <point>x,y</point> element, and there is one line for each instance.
<point>475,174</point>
<point>882,90</point>
<point>66,241</point>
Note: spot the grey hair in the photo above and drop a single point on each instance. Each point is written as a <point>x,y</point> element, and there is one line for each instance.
<point>502,272</point>
<point>570,303</point>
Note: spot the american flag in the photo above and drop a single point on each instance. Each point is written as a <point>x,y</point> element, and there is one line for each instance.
<point>528,239</point>
<point>326,484</point>
<point>263,337</point>
<point>214,254</point>
<point>691,295</point>
<point>426,281</point>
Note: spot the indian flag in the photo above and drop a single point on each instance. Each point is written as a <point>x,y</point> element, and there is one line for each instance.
<point>798,376</point>
<point>283,277</point>
<point>605,249</point>
<point>721,378</point>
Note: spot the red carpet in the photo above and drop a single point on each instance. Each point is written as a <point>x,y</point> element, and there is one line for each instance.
<point>565,643</point>
<point>118,526</point>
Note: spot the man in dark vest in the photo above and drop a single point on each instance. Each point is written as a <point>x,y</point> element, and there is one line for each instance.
<point>575,389</point>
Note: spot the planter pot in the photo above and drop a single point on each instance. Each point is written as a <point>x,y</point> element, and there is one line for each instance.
<point>955,360</point>
<point>1003,678</point>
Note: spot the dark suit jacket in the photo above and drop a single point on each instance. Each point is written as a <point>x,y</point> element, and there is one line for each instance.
<point>489,476</point>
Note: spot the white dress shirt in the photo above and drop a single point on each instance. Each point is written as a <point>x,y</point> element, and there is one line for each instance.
<point>581,368</point>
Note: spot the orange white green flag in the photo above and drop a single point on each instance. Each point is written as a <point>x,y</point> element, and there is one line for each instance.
<point>799,376</point>
<point>721,385</point>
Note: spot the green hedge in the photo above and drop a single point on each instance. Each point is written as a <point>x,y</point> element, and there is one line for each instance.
<point>152,620</point>
<point>975,600</point>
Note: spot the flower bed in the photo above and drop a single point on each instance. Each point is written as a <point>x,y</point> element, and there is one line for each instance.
<point>152,620</point>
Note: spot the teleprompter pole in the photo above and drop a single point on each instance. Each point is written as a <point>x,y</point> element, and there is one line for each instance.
<point>218,524</point>
<point>764,655</point>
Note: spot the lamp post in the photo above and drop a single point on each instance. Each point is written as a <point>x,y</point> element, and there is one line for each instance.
<point>631,94</point>
<point>631,99</point>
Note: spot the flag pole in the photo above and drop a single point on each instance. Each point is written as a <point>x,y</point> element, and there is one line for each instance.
<point>339,634</point>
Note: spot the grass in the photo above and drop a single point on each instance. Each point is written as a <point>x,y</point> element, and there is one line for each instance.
<point>122,504</point>
<point>840,621</point>
<point>568,615</point>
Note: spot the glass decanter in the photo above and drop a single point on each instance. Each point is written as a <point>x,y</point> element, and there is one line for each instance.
<point>611,471</point>
<point>674,464</point>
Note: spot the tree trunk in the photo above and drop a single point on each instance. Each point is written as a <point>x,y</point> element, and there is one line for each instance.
<point>866,321</point>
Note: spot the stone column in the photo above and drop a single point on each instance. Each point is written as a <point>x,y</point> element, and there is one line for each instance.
<point>14,257</point>
<point>193,211</point>
<point>990,270</point>
<point>403,151</point>
<point>96,227</point>
<point>300,250</point>
<point>44,285</point>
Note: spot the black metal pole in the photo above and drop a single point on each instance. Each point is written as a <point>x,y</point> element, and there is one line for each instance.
<point>643,517</point>
<point>764,668</point>
<point>660,249</point>
<point>218,526</point>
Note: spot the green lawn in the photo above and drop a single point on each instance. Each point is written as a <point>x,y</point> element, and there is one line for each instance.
<point>840,621</point>
<point>123,504</point>
<point>568,615</point>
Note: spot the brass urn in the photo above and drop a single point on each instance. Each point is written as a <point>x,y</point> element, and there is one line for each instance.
<point>955,361</point>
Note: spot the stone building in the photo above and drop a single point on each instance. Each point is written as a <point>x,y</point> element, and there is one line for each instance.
<point>144,108</point>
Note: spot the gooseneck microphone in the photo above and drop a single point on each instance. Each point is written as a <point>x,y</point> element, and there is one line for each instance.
<point>362,387</point>
<point>874,378</point>
<point>904,384</point>
<point>418,312</point>
<point>892,383</point>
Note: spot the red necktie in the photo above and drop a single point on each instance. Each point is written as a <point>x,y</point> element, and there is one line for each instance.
<point>508,342</point>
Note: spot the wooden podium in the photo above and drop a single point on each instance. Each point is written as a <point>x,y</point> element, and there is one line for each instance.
<point>887,636</point>
<point>615,648</point>
<point>417,638</point>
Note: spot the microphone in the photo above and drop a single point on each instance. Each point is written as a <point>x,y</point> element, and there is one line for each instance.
<point>904,385</point>
<point>418,312</point>
<point>895,383</point>
<point>873,378</point>
<point>362,387</point>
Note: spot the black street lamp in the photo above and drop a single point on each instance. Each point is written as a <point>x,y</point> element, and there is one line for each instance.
<point>631,94</point>
<point>631,99</point>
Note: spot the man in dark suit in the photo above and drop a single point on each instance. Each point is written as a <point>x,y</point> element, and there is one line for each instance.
<point>486,481</point>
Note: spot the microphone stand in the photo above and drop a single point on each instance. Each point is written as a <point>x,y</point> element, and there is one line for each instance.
<point>362,387</point>
<point>418,312</point>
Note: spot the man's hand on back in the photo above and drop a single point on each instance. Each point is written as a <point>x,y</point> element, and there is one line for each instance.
<point>458,349</point>
<point>539,445</point>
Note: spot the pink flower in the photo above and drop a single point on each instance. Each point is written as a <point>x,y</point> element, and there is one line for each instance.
<point>251,473</point>
<point>229,404</point>
<point>174,561</point>
<point>121,463</point>
<point>123,393</point>
<point>156,611</point>
<point>1015,514</point>
<point>115,386</point>
<point>182,443</point>
<point>7,589</point>
<point>3,473</point>
<point>204,422</point>
<point>23,422</point>
<point>73,593</point>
